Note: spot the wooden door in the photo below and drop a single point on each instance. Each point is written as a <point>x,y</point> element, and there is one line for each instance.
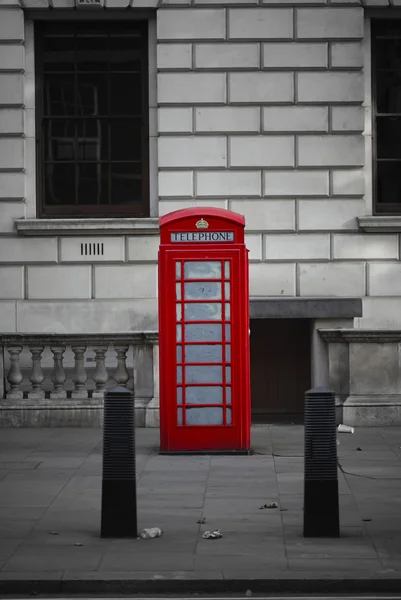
<point>280,369</point>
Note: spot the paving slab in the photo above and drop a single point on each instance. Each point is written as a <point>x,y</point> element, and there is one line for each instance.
<point>50,504</point>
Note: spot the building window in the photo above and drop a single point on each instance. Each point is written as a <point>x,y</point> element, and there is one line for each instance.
<point>92,119</point>
<point>386,72</point>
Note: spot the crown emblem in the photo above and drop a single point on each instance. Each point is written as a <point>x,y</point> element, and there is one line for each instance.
<point>202,224</point>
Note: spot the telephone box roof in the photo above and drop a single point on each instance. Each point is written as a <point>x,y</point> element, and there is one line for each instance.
<point>220,213</point>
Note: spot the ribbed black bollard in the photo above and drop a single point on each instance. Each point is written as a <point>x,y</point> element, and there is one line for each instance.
<point>321,511</point>
<point>119,518</point>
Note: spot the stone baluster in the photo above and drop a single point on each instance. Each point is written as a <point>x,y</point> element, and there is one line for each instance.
<point>79,377</point>
<point>58,375</point>
<point>121,375</point>
<point>37,377</point>
<point>14,376</point>
<point>100,376</point>
<point>152,411</point>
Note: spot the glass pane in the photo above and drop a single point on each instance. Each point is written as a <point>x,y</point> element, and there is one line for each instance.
<point>202,290</point>
<point>179,374</point>
<point>200,374</point>
<point>178,330</point>
<point>178,291</point>
<point>85,140</point>
<point>228,374</point>
<point>126,140</point>
<point>228,353</point>
<point>179,395</point>
<point>59,139</point>
<point>228,395</point>
<point>91,53</point>
<point>389,137</point>
<point>93,184</point>
<point>228,416</point>
<point>178,270</point>
<point>388,53</point>
<point>126,183</point>
<point>58,53</point>
<point>203,395</point>
<point>178,312</point>
<point>227,269</point>
<point>126,94</point>
<point>227,291</point>
<point>179,416</point>
<point>204,416</point>
<point>125,53</point>
<point>203,311</point>
<point>59,96</point>
<point>388,90</point>
<point>205,269</point>
<point>92,94</point>
<point>92,139</point>
<point>179,354</point>
<point>207,332</point>
<point>388,183</point>
<point>227,311</point>
<point>228,333</point>
<point>203,353</point>
<point>60,184</point>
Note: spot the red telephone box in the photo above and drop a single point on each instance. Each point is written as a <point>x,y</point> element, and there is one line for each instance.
<point>204,332</point>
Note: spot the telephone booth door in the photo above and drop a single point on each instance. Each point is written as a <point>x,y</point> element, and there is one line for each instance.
<point>204,405</point>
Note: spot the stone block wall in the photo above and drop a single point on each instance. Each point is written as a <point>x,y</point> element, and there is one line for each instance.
<point>261,109</point>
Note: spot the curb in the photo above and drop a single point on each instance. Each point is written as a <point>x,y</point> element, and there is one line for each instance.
<point>193,586</point>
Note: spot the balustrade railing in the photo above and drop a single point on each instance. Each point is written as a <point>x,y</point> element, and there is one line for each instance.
<point>75,367</point>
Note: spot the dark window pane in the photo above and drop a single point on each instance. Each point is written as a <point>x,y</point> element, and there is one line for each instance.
<point>93,187</point>
<point>59,97</point>
<point>388,183</point>
<point>91,52</point>
<point>59,139</point>
<point>92,139</point>
<point>126,183</point>
<point>388,86</point>
<point>389,138</point>
<point>388,53</point>
<point>60,184</point>
<point>125,93</point>
<point>125,139</point>
<point>92,96</point>
<point>72,140</point>
<point>125,53</point>
<point>59,53</point>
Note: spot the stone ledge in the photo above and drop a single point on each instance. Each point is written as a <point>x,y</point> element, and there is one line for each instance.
<point>361,336</point>
<point>380,224</point>
<point>305,308</point>
<point>149,226</point>
<point>57,339</point>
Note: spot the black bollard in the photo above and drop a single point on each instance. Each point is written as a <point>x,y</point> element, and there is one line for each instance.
<point>119,518</point>
<point>321,510</point>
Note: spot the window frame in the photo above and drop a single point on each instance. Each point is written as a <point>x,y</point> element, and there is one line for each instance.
<point>376,21</point>
<point>135,209</point>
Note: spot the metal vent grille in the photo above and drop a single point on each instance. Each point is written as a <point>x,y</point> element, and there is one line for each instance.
<point>92,249</point>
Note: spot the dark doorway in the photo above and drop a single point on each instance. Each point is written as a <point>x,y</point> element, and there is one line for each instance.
<point>280,369</point>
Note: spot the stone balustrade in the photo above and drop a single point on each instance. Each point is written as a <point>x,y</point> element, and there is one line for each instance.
<point>54,379</point>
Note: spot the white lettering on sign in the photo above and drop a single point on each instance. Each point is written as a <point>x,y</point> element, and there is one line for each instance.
<point>203,236</point>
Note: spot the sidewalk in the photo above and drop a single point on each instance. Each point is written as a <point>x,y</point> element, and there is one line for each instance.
<point>50,490</point>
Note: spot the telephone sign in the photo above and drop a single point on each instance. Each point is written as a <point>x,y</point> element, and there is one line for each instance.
<point>204,332</point>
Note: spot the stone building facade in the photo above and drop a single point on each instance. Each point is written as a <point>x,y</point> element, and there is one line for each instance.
<point>265,107</point>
